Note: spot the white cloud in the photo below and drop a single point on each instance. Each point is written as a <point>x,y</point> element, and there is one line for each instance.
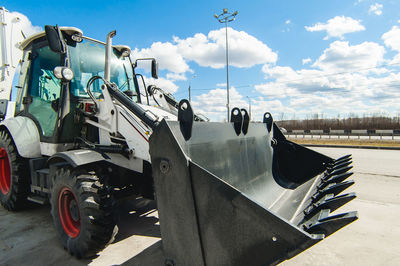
<point>317,103</point>
<point>279,72</point>
<point>18,28</point>
<point>209,51</point>
<point>376,9</point>
<point>213,103</point>
<point>392,38</point>
<point>396,59</point>
<point>260,106</point>
<point>337,27</point>
<point>288,23</point>
<point>25,24</point>
<point>275,90</point>
<point>221,85</point>
<point>164,84</point>
<point>175,76</point>
<point>340,56</point>
<point>357,2</point>
<point>167,55</point>
<point>290,82</point>
<point>306,61</point>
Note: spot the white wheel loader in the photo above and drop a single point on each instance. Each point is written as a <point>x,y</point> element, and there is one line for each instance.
<point>84,135</point>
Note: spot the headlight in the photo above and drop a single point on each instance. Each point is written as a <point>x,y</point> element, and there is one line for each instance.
<point>67,73</point>
<point>63,73</point>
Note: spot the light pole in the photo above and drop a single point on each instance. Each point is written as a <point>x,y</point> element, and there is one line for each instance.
<point>249,106</point>
<point>226,17</point>
<point>190,81</point>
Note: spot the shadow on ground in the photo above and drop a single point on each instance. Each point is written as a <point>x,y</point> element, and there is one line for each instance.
<point>28,237</point>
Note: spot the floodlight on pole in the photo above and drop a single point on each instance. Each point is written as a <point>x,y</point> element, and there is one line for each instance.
<point>226,17</point>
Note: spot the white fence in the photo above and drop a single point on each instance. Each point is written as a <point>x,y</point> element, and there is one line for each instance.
<point>345,134</point>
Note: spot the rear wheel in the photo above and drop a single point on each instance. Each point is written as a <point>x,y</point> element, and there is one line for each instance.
<point>82,212</point>
<point>14,179</point>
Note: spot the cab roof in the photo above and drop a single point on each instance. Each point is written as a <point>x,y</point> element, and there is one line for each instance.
<point>67,30</point>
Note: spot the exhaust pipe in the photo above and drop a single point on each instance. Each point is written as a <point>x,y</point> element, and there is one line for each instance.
<point>107,70</point>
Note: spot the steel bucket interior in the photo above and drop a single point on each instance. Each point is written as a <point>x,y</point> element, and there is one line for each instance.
<point>246,163</point>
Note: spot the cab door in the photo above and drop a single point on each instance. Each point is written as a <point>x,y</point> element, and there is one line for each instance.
<point>43,95</point>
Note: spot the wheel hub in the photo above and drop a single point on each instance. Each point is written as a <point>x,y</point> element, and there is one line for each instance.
<point>73,208</point>
<point>68,211</point>
<point>5,172</point>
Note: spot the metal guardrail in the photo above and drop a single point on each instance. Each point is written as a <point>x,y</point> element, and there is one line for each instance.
<point>358,134</point>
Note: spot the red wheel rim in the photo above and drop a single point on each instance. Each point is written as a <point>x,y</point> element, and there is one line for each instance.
<point>5,173</point>
<point>68,212</point>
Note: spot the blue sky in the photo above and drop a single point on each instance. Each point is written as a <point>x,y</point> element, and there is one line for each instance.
<point>292,58</point>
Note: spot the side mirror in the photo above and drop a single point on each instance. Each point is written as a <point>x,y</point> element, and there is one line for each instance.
<point>53,39</point>
<point>154,69</point>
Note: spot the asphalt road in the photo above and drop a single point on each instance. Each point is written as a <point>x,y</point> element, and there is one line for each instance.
<point>28,237</point>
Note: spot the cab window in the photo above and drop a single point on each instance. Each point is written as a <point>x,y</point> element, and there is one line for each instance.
<point>44,88</point>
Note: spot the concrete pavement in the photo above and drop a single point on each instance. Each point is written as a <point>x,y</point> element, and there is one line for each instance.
<point>374,239</point>
<point>28,237</point>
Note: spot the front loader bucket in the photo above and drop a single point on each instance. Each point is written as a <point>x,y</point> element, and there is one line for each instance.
<point>229,198</point>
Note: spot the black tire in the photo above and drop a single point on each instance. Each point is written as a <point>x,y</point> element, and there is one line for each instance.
<point>85,222</point>
<point>14,175</point>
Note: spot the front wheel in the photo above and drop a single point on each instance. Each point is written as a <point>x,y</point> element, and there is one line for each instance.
<point>82,213</point>
<point>14,178</point>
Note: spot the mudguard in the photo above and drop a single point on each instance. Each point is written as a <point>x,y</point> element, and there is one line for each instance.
<point>81,157</point>
<point>25,135</point>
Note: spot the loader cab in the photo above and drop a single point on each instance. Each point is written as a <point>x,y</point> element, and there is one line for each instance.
<point>41,96</point>
<point>51,102</point>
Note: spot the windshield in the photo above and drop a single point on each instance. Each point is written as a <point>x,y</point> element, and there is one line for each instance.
<point>88,60</point>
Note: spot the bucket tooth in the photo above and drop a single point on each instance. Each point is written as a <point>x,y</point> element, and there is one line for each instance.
<point>337,162</point>
<point>332,189</point>
<point>337,172</point>
<point>331,224</point>
<point>332,204</point>
<point>321,198</point>
<point>338,166</point>
<point>322,214</point>
<point>343,158</point>
<point>334,179</point>
<point>306,224</point>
